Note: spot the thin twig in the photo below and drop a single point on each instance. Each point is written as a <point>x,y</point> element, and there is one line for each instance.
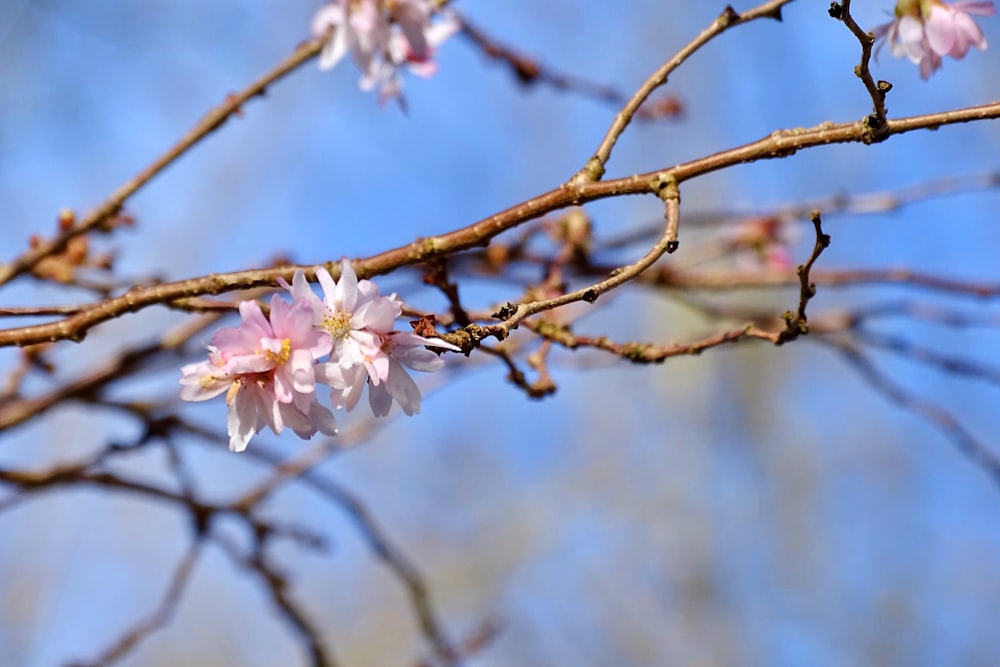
<point>876,90</point>
<point>934,414</point>
<point>155,621</point>
<point>595,167</point>
<point>212,121</point>
<point>529,72</point>
<point>276,586</point>
<point>781,143</point>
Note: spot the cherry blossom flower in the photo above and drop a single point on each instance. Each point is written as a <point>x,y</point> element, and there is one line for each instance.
<point>269,367</point>
<point>401,350</point>
<point>266,368</point>
<point>366,349</point>
<point>408,350</point>
<point>353,314</point>
<point>926,30</point>
<point>382,36</point>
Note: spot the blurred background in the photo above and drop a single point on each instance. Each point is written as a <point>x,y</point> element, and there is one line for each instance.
<point>750,506</point>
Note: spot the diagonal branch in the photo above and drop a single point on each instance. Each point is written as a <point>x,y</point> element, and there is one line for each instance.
<point>276,586</point>
<point>303,467</point>
<point>937,416</point>
<point>729,18</point>
<point>778,144</point>
<point>159,618</point>
<point>212,121</point>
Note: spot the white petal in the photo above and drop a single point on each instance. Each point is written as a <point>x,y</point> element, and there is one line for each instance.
<point>242,421</point>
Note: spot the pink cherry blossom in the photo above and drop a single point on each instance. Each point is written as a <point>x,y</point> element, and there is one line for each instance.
<point>401,350</point>
<point>383,36</point>
<point>269,367</point>
<point>404,349</point>
<point>366,350</point>
<point>925,30</point>
<point>354,315</point>
<point>266,368</point>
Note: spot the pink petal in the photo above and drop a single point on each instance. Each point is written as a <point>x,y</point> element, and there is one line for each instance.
<point>941,30</point>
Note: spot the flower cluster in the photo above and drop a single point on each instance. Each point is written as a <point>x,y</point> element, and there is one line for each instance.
<point>383,36</point>
<point>269,367</point>
<point>926,30</point>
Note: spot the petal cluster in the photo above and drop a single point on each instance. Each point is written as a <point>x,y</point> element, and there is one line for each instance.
<point>269,366</point>
<point>924,31</point>
<point>383,37</point>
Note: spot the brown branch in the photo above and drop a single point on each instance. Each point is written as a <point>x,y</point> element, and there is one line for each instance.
<point>797,322</point>
<point>529,71</point>
<point>36,311</point>
<point>877,90</point>
<point>595,167</point>
<point>276,586</point>
<point>155,621</point>
<point>648,353</point>
<point>778,144</point>
<point>212,121</point>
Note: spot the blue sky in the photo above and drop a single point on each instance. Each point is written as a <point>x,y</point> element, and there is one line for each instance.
<point>749,506</point>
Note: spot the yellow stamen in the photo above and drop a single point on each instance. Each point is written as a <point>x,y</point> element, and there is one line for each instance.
<point>339,324</point>
<point>282,356</point>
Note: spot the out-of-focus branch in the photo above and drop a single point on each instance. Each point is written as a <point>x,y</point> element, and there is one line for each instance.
<point>14,411</point>
<point>303,468</point>
<point>276,586</point>
<point>934,414</point>
<point>929,356</point>
<point>727,280</point>
<point>159,618</point>
<point>529,71</point>
<point>839,204</point>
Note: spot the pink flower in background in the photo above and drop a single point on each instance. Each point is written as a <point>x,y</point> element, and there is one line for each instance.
<point>266,368</point>
<point>926,30</point>
<point>382,36</point>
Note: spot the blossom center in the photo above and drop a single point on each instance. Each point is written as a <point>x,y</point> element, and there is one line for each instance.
<point>338,324</point>
<point>281,356</point>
